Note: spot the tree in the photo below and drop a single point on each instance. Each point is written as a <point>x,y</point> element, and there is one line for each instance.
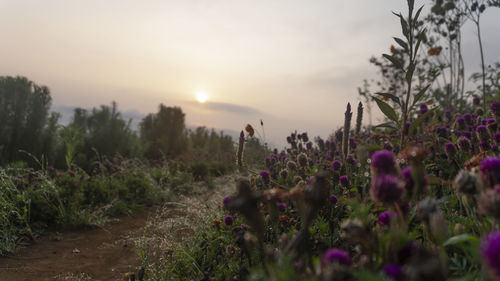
<point>164,133</point>
<point>24,111</point>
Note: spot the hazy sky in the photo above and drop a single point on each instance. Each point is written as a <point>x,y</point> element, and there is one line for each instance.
<point>295,64</point>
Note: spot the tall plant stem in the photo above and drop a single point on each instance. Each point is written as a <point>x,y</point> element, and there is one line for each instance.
<point>408,93</point>
<point>482,61</point>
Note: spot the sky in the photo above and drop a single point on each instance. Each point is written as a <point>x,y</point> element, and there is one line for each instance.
<point>292,63</point>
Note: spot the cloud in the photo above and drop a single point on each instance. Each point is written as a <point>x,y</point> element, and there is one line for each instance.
<point>229,107</point>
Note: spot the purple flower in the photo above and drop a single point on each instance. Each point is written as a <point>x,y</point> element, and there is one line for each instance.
<point>476,100</point>
<point>407,128</point>
<point>495,109</point>
<point>496,137</point>
<point>281,206</point>
<point>450,149</point>
<point>305,138</point>
<point>383,162</point>
<point>336,256</point>
<point>464,144</point>
<point>333,198</point>
<point>461,123</point>
<point>490,250</point>
<point>266,177</point>
<point>352,143</point>
<point>442,132</point>
<point>447,114</point>
<point>482,133</point>
<point>386,189</point>
<point>384,218</point>
<point>468,118</point>
<point>394,271</point>
<point>336,165</point>
<point>490,171</point>
<point>409,183</point>
<point>309,145</point>
<point>225,201</point>
<point>423,108</point>
<point>228,220</point>
<point>484,146</point>
<point>467,134</point>
<point>343,181</point>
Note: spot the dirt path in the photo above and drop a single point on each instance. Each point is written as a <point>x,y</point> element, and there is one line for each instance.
<point>109,252</point>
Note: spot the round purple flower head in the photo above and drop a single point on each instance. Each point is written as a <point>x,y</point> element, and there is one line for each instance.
<point>464,144</point>
<point>447,114</point>
<point>476,100</point>
<point>266,177</point>
<point>343,181</point>
<point>490,250</point>
<point>394,271</point>
<point>496,137</point>
<point>386,189</point>
<point>333,198</point>
<point>407,128</point>
<point>409,183</point>
<point>309,145</point>
<point>225,201</point>
<point>450,149</point>
<point>336,165</point>
<point>468,118</point>
<point>383,162</point>
<point>423,108</point>
<point>484,146</point>
<point>352,143</point>
<point>228,220</point>
<point>305,138</point>
<point>281,206</point>
<point>336,256</point>
<point>482,133</point>
<point>442,132</point>
<point>490,171</point>
<point>495,109</point>
<point>384,218</point>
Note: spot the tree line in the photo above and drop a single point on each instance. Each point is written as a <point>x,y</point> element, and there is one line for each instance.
<point>30,134</point>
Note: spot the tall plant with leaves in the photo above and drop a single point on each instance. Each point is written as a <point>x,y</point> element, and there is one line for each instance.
<point>413,35</point>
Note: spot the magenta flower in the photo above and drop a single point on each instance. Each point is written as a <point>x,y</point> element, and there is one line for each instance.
<point>336,165</point>
<point>384,218</point>
<point>490,251</point>
<point>343,181</point>
<point>281,206</point>
<point>394,271</point>
<point>409,183</point>
<point>225,201</point>
<point>490,171</point>
<point>386,189</point>
<point>266,177</point>
<point>336,256</point>
<point>423,108</point>
<point>482,133</point>
<point>495,109</point>
<point>464,144</point>
<point>333,198</point>
<point>450,149</point>
<point>228,220</point>
<point>383,162</point>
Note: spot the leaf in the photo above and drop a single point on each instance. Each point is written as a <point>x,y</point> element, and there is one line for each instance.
<point>415,19</point>
<point>409,73</point>
<point>404,26</point>
<point>395,61</point>
<point>419,95</point>
<point>401,43</point>
<point>390,125</point>
<point>462,238</point>
<point>390,96</point>
<point>387,110</point>
<point>419,120</point>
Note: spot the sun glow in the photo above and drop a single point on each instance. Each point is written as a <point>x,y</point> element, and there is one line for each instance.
<point>202,96</point>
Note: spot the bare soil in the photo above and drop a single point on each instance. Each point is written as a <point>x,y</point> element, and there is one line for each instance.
<point>111,251</point>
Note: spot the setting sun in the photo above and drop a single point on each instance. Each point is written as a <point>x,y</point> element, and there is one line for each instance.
<point>201,96</point>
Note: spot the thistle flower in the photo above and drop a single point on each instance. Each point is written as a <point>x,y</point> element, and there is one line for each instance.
<point>461,123</point>
<point>352,143</point>
<point>283,174</point>
<point>442,132</point>
<point>309,145</point>
<point>386,189</point>
<point>289,139</point>
<point>489,202</point>
<point>490,171</point>
<point>464,144</point>
<point>406,128</point>
<point>479,111</point>
<point>496,137</point>
<point>383,162</point>
<point>302,160</point>
<point>467,134</point>
<point>225,201</point>
<point>339,134</point>
<point>228,220</point>
<point>476,100</point>
<point>359,118</point>
<point>409,182</point>
<point>495,110</point>
<point>384,218</point>
<point>336,256</point>
<point>465,183</point>
<point>265,176</point>
<point>447,114</point>
<point>281,206</point>
<point>490,251</point>
<point>321,144</point>
<point>468,118</point>
<point>336,165</point>
<point>484,146</point>
<point>291,165</point>
<point>482,133</point>
<point>427,208</point>
<point>387,146</point>
<point>394,271</point>
<point>423,109</point>
<point>305,138</point>
<point>350,160</point>
<point>343,181</point>
<point>333,199</point>
<point>450,150</point>
<point>246,203</point>
<point>347,129</point>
